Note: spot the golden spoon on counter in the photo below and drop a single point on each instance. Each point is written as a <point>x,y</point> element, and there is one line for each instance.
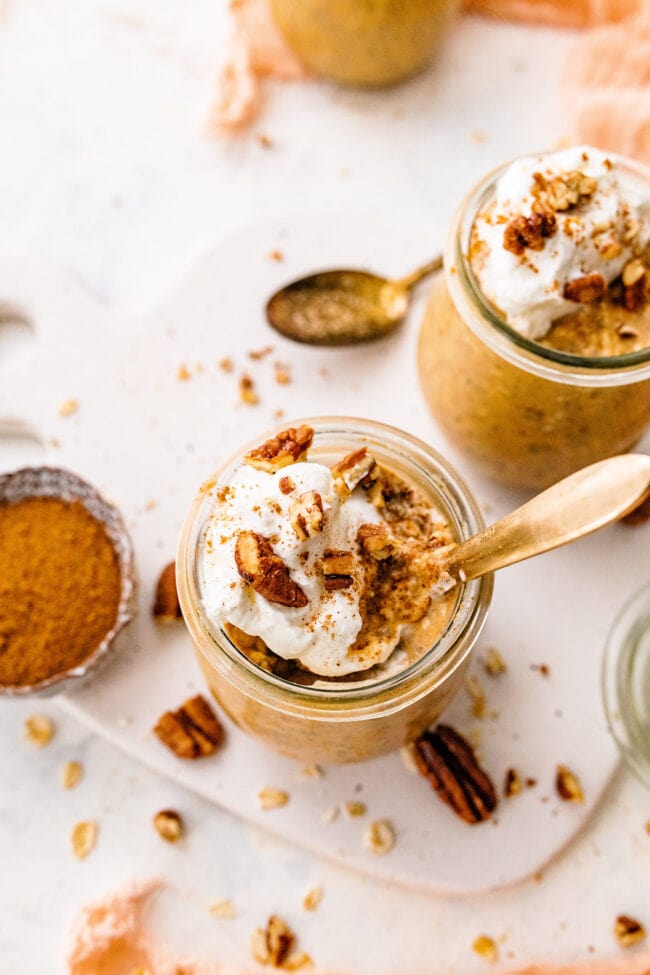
<point>343,307</point>
<point>576,506</point>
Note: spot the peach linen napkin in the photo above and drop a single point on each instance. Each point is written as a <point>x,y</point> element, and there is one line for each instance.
<point>606,83</point>
<point>111,937</point>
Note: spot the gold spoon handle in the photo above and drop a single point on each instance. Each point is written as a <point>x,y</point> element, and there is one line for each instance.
<point>420,273</point>
<point>575,506</point>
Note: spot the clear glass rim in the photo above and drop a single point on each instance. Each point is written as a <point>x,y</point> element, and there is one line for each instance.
<point>443,657</point>
<point>488,325</point>
<point>624,723</point>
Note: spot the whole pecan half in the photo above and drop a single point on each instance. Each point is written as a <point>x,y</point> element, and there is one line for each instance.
<point>449,763</point>
<point>258,564</point>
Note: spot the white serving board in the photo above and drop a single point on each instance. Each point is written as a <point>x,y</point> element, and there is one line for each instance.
<point>143,435</point>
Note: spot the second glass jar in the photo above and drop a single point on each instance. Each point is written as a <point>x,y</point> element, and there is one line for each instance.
<point>526,415</point>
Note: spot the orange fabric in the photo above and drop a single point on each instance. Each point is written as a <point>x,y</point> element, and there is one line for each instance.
<point>607,87</point>
<point>558,13</point>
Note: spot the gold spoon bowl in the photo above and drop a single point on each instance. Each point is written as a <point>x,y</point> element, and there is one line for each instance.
<point>343,307</point>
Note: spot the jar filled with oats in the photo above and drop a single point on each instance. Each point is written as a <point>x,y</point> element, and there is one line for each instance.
<point>534,353</point>
<point>310,580</point>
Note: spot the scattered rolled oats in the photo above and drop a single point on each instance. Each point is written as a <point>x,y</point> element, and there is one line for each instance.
<point>39,730</point>
<point>494,663</point>
<point>330,815</point>
<point>477,696</point>
<point>226,365</point>
<point>298,961</point>
<point>271,798</point>
<point>68,407</point>
<point>282,374</point>
<point>70,775</point>
<point>83,838</point>
<point>311,900</point>
<point>568,785</point>
<point>310,772</point>
<point>486,948</point>
<point>183,373</point>
<point>272,945</point>
<point>407,754</point>
<point>628,931</point>
<point>380,837</point>
<point>223,909</point>
<point>276,255</point>
<point>169,825</point>
<point>354,809</point>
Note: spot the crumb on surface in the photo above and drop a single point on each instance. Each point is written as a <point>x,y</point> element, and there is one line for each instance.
<point>68,407</point>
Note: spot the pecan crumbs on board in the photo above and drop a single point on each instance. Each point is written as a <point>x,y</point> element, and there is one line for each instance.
<point>449,763</point>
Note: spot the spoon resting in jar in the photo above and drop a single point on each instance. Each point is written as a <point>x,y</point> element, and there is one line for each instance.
<point>343,307</point>
<point>576,506</point>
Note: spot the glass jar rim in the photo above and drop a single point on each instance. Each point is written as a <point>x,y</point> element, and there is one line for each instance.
<point>443,657</point>
<point>486,323</point>
<point>625,724</point>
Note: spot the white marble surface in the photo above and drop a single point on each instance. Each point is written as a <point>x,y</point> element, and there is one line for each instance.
<point>104,169</point>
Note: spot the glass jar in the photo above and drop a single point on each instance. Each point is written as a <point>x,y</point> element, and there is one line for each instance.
<point>344,722</point>
<point>626,683</point>
<point>364,42</point>
<point>525,414</point>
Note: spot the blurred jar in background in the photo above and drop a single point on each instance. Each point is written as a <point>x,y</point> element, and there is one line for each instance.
<point>368,43</point>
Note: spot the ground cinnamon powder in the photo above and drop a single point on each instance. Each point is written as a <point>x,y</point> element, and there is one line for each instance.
<point>60,585</point>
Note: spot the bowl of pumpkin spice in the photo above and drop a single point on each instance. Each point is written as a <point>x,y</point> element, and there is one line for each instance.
<point>67,580</point>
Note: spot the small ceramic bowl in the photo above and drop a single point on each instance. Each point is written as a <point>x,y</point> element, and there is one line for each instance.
<point>33,482</point>
<point>626,683</point>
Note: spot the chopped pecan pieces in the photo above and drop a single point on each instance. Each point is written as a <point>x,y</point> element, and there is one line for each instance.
<point>356,468</point>
<point>565,191</point>
<point>585,290</point>
<point>568,785</point>
<point>192,731</point>
<point>306,515</point>
<point>338,566</point>
<point>522,232</point>
<point>286,485</point>
<point>287,447</point>
<point>166,607</point>
<point>376,541</point>
<point>258,565</point>
<point>449,763</point>
<point>628,931</point>
<point>512,784</point>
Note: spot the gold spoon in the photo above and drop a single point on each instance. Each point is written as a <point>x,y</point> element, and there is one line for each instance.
<point>343,307</point>
<point>576,506</point>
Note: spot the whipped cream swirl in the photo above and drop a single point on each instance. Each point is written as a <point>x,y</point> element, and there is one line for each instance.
<point>596,235</point>
<point>319,634</point>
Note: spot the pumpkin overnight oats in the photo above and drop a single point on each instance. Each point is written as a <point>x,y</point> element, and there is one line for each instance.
<point>310,579</point>
<point>534,353</point>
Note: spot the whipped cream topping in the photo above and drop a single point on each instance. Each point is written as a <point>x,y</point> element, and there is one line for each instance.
<point>320,633</point>
<point>598,234</point>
